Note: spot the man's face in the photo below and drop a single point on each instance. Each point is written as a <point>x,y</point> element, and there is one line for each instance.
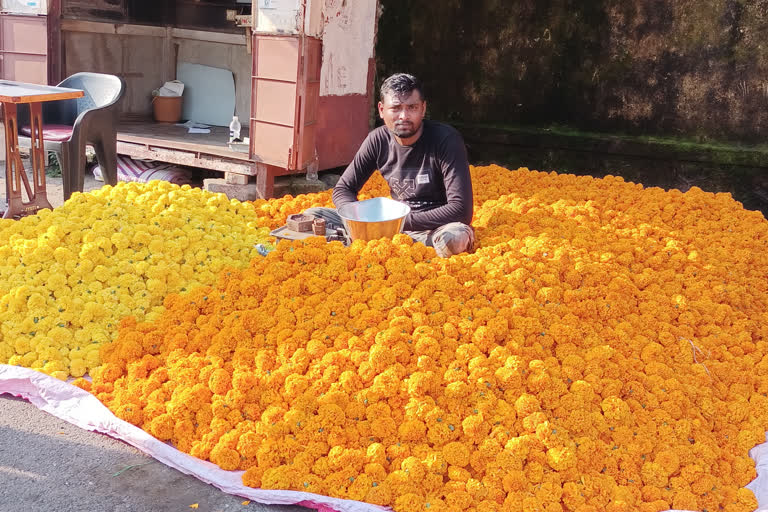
<point>403,115</point>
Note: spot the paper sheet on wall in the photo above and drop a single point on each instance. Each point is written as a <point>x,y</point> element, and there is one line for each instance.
<point>24,6</point>
<point>348,37</point>
<point>277,16</point>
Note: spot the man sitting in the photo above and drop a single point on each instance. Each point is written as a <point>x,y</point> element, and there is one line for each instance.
<point>425,164</point>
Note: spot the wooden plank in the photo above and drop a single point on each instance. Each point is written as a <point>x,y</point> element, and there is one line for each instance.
<point>141,126</point>
<point>265,180</point>
<point>191,159</point>
<point>21,92</point>
<point>97,27</point>
<point>55,49</point>
<point>191,147</point>
<point>212,37</point>
<point>169,57</point>
<point>129,29</point>
<point>188,147</point>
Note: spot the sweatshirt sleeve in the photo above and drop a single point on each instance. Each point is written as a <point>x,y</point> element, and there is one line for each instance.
<point>458,189</point>
<point>357,173</point>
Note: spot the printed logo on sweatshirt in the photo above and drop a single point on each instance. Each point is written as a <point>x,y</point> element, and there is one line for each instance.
<point>402,187</point>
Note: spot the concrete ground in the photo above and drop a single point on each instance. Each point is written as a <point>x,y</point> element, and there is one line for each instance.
<point>48,464</point>
<point>53,186</point>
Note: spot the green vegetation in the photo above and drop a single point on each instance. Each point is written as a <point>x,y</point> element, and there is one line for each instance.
<point>677,148</point>
<point>53,169</point>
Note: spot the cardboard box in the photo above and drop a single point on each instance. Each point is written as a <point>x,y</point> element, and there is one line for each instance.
<point>299,222</point>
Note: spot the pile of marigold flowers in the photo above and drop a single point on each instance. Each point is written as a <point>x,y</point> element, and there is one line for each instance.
<point>69,275</point>
<point>603,349</point>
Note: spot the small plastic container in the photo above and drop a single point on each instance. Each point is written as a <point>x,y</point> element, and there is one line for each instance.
<point>318,227</point>
<point>167,109</point>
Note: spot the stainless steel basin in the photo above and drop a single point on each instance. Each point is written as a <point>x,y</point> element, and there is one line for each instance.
<point>375,218</point>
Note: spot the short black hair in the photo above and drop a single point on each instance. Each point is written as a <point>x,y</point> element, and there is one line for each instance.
<point>401,84</point>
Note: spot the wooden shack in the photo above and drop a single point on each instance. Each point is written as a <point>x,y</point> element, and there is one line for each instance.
<point>302,73</point>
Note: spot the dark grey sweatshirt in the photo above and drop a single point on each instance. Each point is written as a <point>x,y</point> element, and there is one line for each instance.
<point>431,176</point>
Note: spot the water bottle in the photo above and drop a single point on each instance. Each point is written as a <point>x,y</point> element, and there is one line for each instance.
<point>234,130</point>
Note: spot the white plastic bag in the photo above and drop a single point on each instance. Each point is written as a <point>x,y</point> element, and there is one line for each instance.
<point>172,88</point>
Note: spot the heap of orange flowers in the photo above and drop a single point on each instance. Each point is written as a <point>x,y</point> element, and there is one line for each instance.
<point>603,349</point>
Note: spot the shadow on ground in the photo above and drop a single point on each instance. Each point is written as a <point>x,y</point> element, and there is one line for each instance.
<point>48,464</point>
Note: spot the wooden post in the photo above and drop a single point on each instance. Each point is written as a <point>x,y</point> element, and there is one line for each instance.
<point>55,44</point>
<point>265,180</point>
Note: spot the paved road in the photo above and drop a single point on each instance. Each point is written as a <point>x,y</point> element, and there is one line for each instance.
<point>46,464</point>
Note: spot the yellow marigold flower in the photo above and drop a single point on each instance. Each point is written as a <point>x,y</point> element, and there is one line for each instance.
<point>376,471</point>
<point>615,410</point>
<point>412,430</point>
<point>746,499</point>
<point>220,381</point>
<point>379,494</point>
<point>669,461</point>
<point>456,454</point>
<point>519,360</point>
<point>409,501</point>
<point>561,458</point>
<point>654,474</point>
<point>527,404</point>
<point>377,454</point>
<point>414,468</point>
<point>162,427</point>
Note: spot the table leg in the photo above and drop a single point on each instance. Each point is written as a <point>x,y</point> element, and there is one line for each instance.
<point>37,153</point>
<point>265,180</point>
<point>15,175</point>
<point>13,165</point>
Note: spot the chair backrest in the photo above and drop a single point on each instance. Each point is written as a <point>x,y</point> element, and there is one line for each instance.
<point>101,91</point>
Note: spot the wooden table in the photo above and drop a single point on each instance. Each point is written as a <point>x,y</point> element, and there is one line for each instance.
<point>12,94</point>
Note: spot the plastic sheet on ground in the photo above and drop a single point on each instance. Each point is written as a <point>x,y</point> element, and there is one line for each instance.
<point>84,410</point>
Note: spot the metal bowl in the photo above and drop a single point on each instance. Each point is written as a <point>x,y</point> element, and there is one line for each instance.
<point>375,218</point>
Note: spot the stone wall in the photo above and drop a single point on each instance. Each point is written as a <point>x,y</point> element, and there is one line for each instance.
<point>689,68</point>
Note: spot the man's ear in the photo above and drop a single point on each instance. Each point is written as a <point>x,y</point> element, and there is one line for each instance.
<point>381,110</point>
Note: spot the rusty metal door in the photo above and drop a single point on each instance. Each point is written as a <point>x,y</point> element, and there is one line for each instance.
<point>285,96</point>
<point>285,89</point>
